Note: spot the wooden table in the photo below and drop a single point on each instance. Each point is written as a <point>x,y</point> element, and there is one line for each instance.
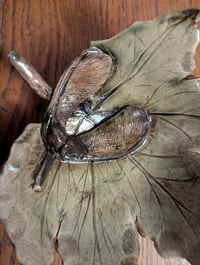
<point>50,34</point>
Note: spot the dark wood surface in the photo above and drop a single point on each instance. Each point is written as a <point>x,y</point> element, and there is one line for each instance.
<point>50,34</point>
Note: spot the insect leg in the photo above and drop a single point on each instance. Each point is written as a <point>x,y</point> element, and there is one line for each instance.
<point>29,73</point>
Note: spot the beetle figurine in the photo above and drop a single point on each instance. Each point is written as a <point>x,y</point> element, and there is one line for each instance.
<point>119,147</point>
<point>75,129</point>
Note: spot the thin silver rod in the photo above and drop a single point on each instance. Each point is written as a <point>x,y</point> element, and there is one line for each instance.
<point>29,73</point>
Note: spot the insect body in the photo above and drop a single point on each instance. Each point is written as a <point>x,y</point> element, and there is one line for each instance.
<point>75,128</point>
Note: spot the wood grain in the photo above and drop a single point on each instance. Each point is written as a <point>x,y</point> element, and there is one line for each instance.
<point>50,34</point>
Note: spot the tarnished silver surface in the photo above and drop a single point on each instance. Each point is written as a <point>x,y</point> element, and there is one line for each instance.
<point>29,73</point>
<point>137,88</point>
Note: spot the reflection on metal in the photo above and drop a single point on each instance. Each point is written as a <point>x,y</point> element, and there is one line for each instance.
<point>74,130</point>
<point>125,119</point>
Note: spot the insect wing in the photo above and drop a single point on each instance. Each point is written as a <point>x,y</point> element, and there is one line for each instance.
<point>79,83</point>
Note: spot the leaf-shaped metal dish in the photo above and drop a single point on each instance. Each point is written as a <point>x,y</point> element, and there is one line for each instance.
<point>89,211</point>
